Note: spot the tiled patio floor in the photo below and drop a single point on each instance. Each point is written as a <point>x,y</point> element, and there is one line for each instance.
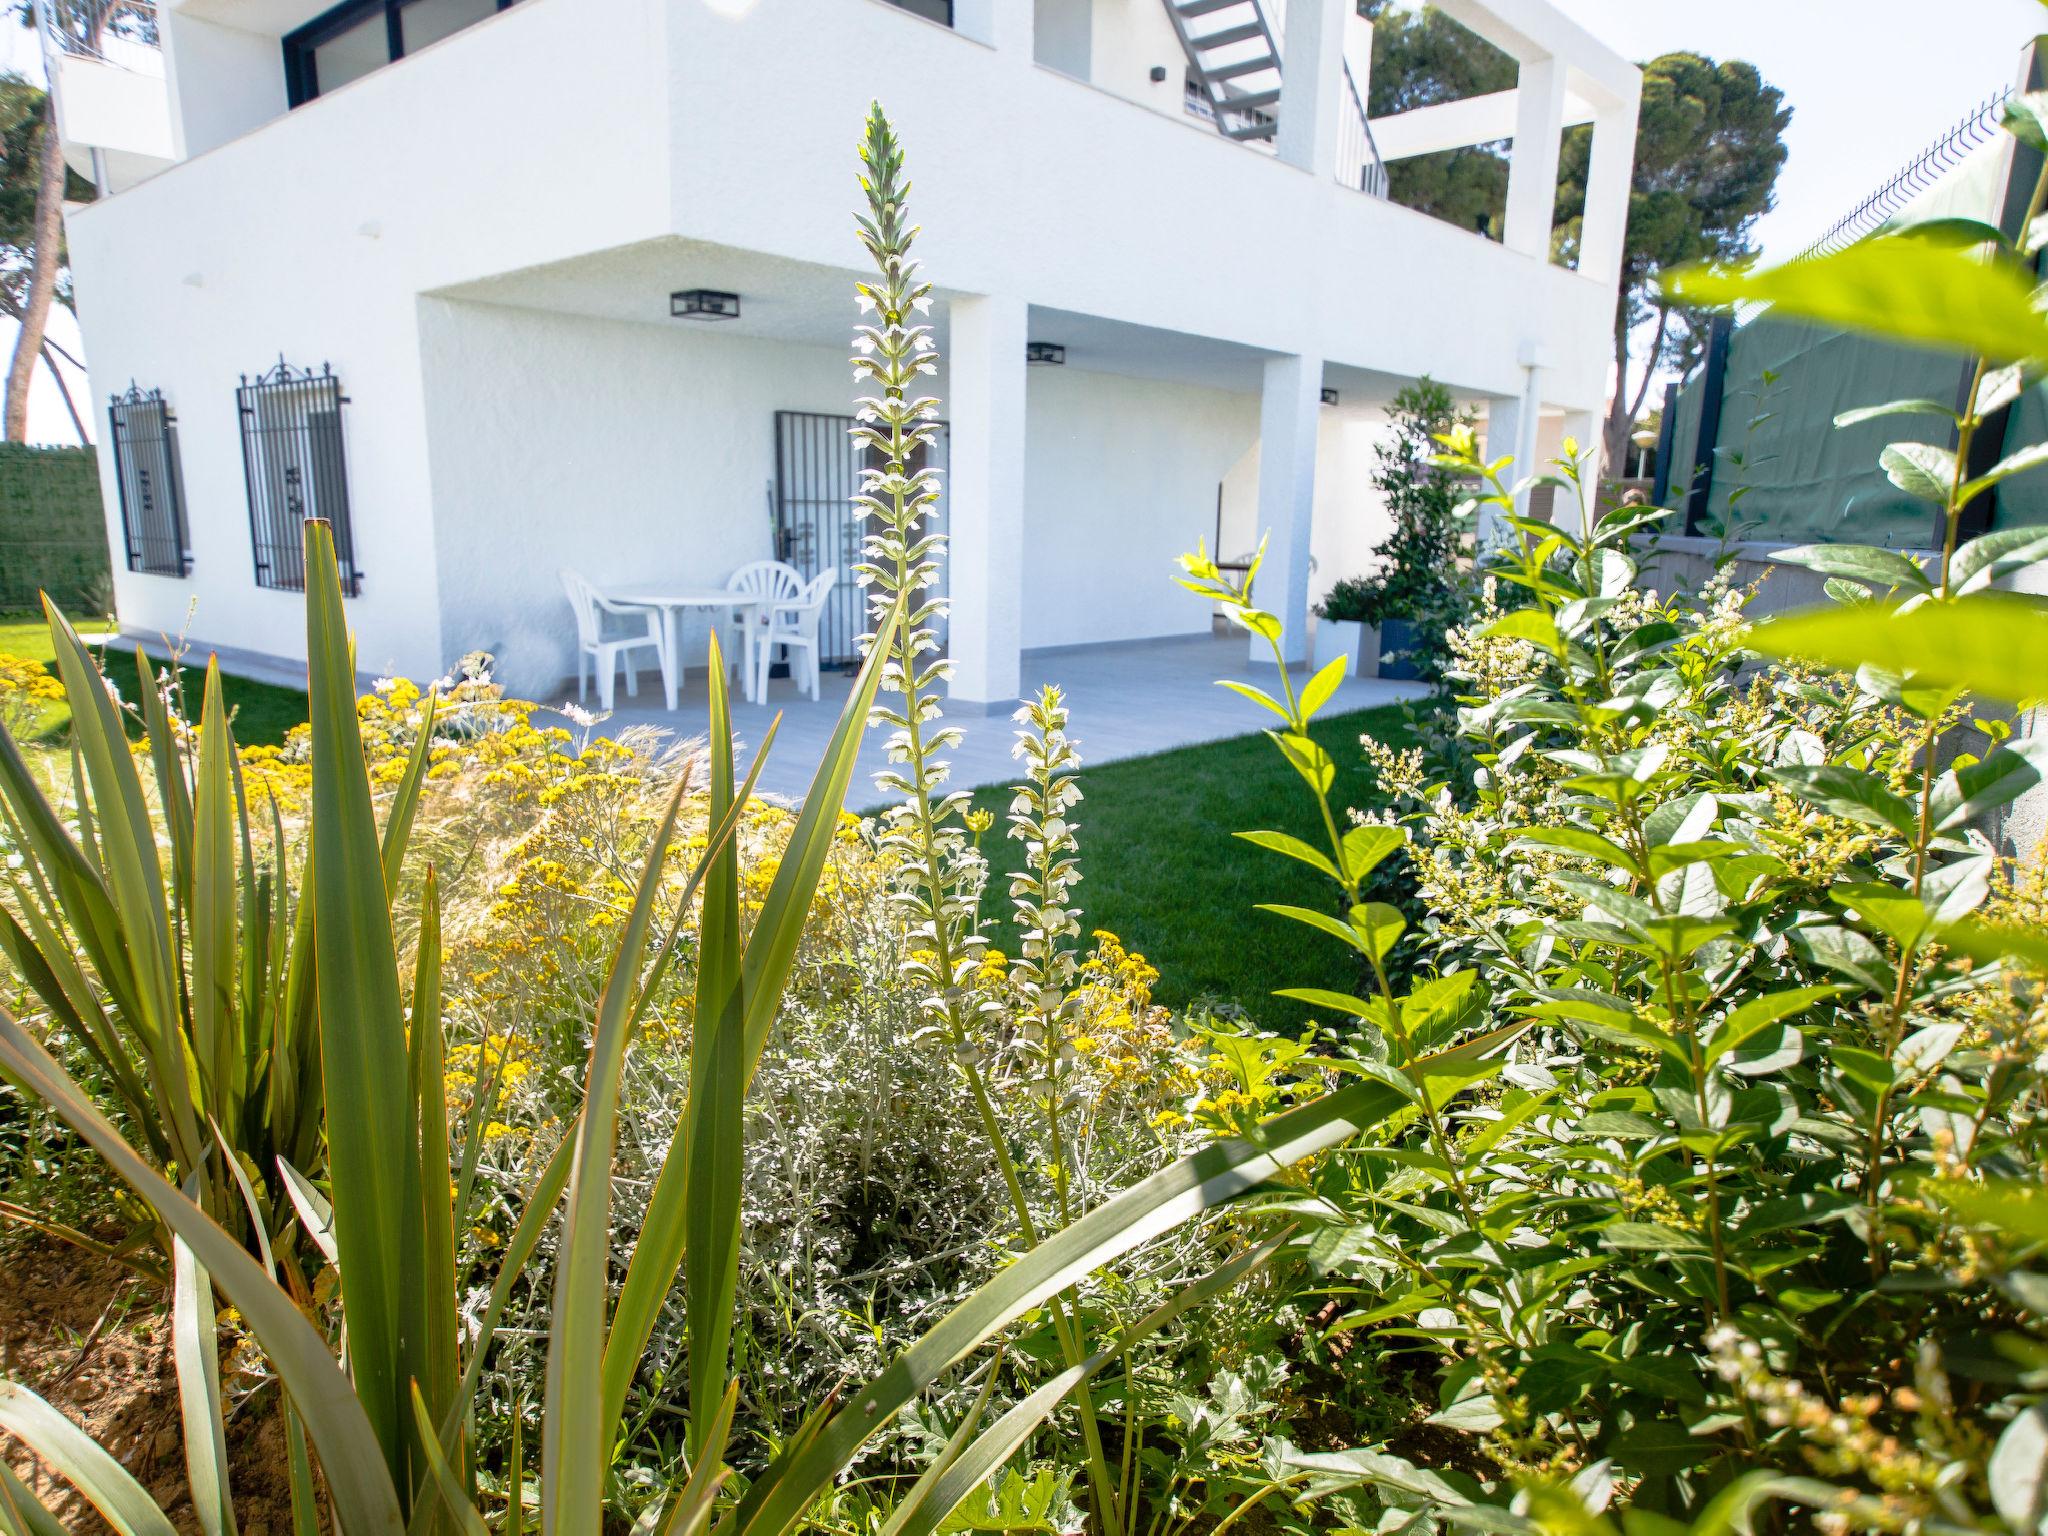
<point>1127,700</point>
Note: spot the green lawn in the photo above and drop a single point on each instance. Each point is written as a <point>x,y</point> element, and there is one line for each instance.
<point>262,712</point>
<point>1161,870</point>
<point>1160,867</point>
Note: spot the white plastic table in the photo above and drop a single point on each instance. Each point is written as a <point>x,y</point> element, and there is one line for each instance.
<point>670,601</point>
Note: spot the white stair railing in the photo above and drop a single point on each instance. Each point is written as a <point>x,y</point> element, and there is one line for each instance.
<point>1233,50</point>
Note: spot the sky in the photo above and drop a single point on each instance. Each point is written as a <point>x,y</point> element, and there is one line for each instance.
<point>1871,83</point>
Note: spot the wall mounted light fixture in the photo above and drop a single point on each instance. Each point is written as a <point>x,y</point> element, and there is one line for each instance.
<point>704,304</point>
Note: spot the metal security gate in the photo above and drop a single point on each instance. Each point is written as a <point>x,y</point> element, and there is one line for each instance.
<point>817,472</point>
<point>295,465</point>
<point>149,482</point>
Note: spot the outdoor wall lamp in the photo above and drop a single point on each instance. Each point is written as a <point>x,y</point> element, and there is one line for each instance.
<point>1329,395</point>
<point>704,304</point>
<point>1043,354</point>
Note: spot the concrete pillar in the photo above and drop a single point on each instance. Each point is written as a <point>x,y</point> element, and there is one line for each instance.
<point>1608,179</point>
<point>985,499</point>
<point>1532,167</point>
<point>1289,402</point>
<point>1511,422</point>
<point>1312,84</point>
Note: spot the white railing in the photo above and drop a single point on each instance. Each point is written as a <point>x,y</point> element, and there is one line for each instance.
<point>1358,157</point>
<point>118,32</point>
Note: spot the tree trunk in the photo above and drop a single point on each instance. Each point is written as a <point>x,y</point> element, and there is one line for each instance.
<point>57,377</point>
<point>1625,410</point>
<point>42,279</point>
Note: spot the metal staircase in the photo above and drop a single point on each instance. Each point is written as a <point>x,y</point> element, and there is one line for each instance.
<point>1233,63</point>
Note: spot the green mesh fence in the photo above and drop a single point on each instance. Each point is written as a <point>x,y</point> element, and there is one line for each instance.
<point>53,530</point>
<point>1802,479</point>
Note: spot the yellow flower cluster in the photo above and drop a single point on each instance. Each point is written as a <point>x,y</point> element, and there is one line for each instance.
<point>1125,1043</point>
<point>26,690</point>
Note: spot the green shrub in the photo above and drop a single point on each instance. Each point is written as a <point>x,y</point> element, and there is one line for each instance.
<point>1418,576</point>
<point>1730,1196</point>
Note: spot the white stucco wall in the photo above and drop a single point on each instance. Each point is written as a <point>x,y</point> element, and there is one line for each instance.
<point>1128,40</point>
<point>627,452</point>
<point>312,237</point>
<point>1351,520</point>
<point>223,80</point>
<point>1120,477</point>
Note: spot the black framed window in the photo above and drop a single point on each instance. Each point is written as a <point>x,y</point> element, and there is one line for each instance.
<point>359,36</point>
<point>940,11</point>
<point>295,462</point>
<point>150,482</point>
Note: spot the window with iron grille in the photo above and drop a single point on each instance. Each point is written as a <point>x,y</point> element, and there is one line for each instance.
<point>295,464</point>
<point>149,481</point>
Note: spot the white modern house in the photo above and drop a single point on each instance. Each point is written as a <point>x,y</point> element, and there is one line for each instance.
<point>505,288</point>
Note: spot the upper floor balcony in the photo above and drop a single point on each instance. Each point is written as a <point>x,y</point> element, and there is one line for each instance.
<point>1193,165</point>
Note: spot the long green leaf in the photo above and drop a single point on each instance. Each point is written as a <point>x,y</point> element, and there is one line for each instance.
<point>692,1508</point>
<point>371,1150</point>
<point>71,882</point>
<point>215,973</point>
<point>73,1456</point>
<point>771,950</point>
<point>449,1493</point>
<point>714,1125</point>
<point>21,1512</point>
<point>948,1482</point>
<point>1202,1180</point>
<point>541,1201</point>
<point>134,880</point>
<point>47,965</point>
<point>195,1349</point>
<point>405,801</point>
<point>364,1500</point>
<point>165,752</point>
<point>1992,643</point>
<point>431,1341</point>
<point>573,1462</point>
<point>1913,290</point>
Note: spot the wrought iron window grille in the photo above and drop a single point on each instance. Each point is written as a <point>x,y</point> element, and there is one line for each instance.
<point>295,465</point>
<point>149,481</point>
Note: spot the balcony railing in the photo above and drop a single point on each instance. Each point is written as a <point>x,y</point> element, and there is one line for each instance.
<point>118,32</point>
<point>1358,157</point>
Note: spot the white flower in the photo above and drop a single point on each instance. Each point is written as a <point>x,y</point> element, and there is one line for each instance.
<point>578,715</point>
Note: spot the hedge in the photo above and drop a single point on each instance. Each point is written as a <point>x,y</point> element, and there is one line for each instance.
<point>53,529</point>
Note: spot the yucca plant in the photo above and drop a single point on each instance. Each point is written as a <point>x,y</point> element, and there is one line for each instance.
<point>388,1423</point>
<point>176,960</point>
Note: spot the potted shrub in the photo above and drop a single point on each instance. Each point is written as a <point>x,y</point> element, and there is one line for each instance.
<point>1344,627</point>
<point>1414,595</point>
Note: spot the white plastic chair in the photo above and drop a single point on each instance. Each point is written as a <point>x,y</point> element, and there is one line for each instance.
<point>793,626</point>
<point>769,583</point>
<point>591,606</point>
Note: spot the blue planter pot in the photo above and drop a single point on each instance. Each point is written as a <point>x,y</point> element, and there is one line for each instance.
<point>1398,635</point>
